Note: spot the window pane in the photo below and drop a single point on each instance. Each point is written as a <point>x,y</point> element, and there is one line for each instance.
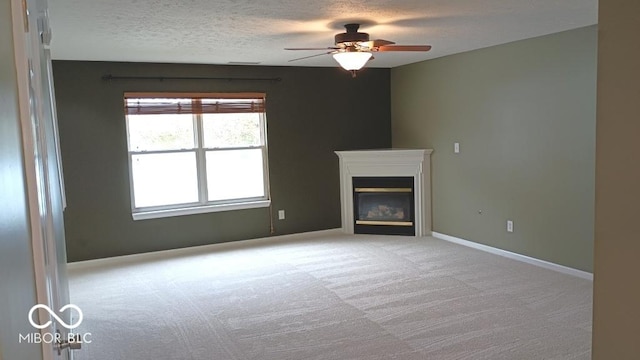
<point>164,179</point>
<point>160,132</point>
<point>234,174</point>
<point>231,130</point>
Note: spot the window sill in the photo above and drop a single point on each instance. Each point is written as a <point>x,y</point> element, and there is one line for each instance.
<point>145,215</point>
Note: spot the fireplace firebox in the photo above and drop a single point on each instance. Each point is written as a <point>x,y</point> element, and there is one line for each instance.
<point>380,163</point>
<point>384,205</point>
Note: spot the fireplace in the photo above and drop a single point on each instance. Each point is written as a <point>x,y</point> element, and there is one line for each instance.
<point>383,205</point>
<point>386,191</point>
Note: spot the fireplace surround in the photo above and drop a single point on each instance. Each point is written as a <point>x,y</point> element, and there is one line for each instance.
<point>414,164</point>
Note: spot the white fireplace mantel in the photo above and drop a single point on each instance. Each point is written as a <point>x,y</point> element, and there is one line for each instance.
<point>388,162</point>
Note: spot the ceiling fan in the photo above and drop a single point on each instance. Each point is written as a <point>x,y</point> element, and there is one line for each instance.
<point>353,49</point>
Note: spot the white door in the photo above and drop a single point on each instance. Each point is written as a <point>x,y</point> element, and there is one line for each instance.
<point>44,174</point>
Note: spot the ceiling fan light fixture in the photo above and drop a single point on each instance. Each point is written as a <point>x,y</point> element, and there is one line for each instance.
<point>352,60</point>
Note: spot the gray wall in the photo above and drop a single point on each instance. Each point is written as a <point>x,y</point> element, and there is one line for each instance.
<point>524,115</point>
<point>17,278</point>
<point>616,293</point>
<point>310,113</point>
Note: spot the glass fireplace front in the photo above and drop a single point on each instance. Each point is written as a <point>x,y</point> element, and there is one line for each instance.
<point>384,205</point>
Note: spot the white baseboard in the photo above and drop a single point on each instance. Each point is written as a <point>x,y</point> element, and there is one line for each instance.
<point>156,255</point>
<point>230,245</point>
<point>511,255</point>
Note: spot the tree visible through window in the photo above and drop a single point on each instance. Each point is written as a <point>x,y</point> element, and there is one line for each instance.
<point>196,153</point>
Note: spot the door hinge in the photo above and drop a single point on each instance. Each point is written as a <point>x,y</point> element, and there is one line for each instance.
<point>25,15</point>
<point>44,29</point>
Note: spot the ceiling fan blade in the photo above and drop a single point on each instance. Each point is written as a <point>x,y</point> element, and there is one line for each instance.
<point>404,48</point>
<point>310,56</point>
<point>319,48</point>
<point>380,42</point>
<point>372,44</point>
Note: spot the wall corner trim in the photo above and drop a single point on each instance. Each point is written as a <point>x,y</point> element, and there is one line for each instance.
<point>514,256</point>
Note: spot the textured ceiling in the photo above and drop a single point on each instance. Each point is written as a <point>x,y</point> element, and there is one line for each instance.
<point>248,31</point>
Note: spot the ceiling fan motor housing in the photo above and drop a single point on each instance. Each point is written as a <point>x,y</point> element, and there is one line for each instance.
<point>352,35</point>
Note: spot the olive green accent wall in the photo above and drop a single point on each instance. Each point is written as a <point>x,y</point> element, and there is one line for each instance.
<point>524,115</point>
<point>311,113</point>
<point>616,287</point>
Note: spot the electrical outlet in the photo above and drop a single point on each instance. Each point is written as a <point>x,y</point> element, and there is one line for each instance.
<point>280,214</point>
<point>509,226</point>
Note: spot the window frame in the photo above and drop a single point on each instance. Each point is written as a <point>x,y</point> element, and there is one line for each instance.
<point>202,205</point>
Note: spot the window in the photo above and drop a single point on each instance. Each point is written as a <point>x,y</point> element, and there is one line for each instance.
<point>195,153</point>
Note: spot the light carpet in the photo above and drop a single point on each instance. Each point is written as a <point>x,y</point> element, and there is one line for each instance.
<point>351,297</point>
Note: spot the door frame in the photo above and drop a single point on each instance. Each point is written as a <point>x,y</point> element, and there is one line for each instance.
<point>27,50</point>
